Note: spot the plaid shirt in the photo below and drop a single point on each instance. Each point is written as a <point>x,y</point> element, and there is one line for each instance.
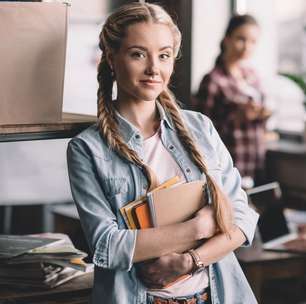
<point>221,98</point>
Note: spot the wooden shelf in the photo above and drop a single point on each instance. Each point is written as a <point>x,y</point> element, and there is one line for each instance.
<point>69,126</point>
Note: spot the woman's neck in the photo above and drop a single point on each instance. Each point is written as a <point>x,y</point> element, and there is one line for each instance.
<point>232,65</point>
<point>143,115</point>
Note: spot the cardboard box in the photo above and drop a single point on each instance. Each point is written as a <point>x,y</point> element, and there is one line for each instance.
<point>32,59</point>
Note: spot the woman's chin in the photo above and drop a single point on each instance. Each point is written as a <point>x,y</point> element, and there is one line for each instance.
<point>150,97</point>
<point>245,56</point>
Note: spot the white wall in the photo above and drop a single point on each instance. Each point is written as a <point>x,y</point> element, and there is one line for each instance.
<point>265,57</point>
<point>208,23</point>
<point>280,91</point>
<point>80,89</point>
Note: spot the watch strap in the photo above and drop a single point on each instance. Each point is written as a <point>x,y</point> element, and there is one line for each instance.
<point>196,259</point>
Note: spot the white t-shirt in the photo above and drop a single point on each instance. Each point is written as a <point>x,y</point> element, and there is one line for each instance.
<point>165,167</point>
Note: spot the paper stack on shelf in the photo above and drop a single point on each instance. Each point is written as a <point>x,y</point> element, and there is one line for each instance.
<point>44,260</point>
<point>14,245</point>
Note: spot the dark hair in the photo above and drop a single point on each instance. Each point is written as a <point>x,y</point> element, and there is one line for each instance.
<point>235,22</point>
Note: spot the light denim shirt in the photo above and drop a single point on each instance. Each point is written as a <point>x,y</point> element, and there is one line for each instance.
<point>102,182</point>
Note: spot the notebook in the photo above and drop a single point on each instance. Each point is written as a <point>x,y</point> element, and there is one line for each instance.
<point>272,224</point>
<point>128,211</point>
<point>176,204</point>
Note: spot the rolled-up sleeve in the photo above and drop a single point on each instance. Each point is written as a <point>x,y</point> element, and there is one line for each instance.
<point>244,216</point>
<point>112,248</point>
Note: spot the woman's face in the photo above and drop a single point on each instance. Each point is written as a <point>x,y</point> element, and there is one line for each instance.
<point>241,43</point>
<point>144,63</point>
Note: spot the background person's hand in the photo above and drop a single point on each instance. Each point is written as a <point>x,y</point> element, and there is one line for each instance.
<point>265,113</point>
<point>253,111</point>
<point>160,272</point>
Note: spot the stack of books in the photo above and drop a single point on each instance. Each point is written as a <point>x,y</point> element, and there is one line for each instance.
<point>169,203</point>
<point>132,211</point>
<point>44,260</point>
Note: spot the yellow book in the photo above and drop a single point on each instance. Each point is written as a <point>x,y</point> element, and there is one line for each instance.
<point>128,212</point>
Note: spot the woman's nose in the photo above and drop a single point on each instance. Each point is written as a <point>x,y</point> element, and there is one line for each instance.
<point>152,67</point>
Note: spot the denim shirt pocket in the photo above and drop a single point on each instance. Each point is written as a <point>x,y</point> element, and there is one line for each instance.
<point>114,186</point>
<point>116,190</point>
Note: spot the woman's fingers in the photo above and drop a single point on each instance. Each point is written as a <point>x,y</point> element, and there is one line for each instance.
<point>162,271</point>
<point>208,222</point>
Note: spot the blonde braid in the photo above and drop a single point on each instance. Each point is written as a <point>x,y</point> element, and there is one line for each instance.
<point>221,205</point>
<point>108,125</point>
<point>112,34</point>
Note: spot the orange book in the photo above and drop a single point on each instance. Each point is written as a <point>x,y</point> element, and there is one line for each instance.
<point>128,211</point>
<point>143,216</point>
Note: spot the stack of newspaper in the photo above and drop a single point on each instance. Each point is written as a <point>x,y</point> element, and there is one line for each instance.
<point>44,260</point>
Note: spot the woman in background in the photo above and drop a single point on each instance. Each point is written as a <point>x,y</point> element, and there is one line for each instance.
<point>231,95</point>
<point>109,166</point>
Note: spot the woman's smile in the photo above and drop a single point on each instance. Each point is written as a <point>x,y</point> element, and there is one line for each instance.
<point>151,82</point>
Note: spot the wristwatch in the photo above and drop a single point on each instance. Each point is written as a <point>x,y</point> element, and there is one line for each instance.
<point>196,259</point>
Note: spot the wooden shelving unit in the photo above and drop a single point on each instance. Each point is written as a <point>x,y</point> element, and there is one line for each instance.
<point>69,126</point>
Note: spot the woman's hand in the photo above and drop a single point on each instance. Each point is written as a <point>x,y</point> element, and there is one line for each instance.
<point>265,113</point>
<point>206,222</point>
<point>249,111</point>
<point>160,272</point>
<point>253,111</point>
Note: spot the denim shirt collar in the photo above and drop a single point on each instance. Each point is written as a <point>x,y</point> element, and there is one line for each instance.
<point>128,130</point>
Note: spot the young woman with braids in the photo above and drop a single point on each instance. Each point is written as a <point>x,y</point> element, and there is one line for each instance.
<point>111,163</point>
<point>232,97</point>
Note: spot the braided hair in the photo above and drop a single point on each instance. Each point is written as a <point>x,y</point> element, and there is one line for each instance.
<point>111,36</point>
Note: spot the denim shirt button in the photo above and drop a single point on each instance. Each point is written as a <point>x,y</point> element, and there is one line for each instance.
<point>171,147</point>
<point>188,170</point>
<point>137,136</point>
